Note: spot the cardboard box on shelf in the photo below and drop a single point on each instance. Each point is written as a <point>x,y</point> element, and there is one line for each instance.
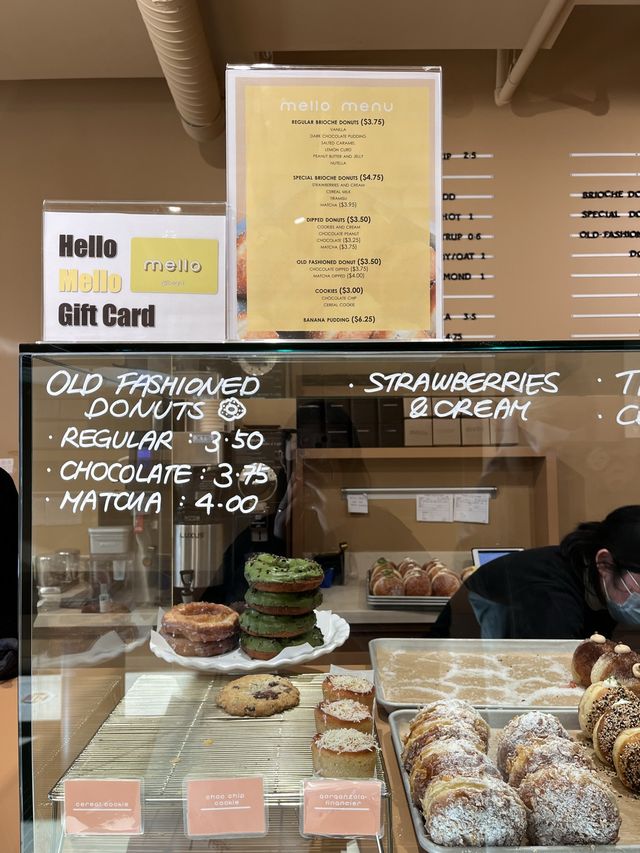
<point>418,432</point>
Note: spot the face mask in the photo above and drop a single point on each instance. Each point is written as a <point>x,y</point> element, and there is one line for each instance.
<point>629,611</point>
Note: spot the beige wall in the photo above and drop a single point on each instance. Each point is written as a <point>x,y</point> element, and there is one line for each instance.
<point>122,139</point>
<point>93,139</point>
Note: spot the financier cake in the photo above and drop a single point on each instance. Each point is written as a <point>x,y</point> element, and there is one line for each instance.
<point>344,754</point>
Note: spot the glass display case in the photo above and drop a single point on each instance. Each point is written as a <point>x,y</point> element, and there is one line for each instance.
<point>152,476</point>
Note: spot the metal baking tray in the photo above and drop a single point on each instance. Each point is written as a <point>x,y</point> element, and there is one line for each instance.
<point>411,602</point>
<point>628,842</point>
<point>519,674</point>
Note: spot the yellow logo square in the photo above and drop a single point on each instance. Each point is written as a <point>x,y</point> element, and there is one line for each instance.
<point>174,265</point>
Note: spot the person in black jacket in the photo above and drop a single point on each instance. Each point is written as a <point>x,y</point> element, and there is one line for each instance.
<point>9,595</point>
<point>590,582</point>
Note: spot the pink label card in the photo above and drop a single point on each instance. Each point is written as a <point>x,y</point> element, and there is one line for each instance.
<point>103,807</point>
<point>225,807</point>
<point>342,807</point>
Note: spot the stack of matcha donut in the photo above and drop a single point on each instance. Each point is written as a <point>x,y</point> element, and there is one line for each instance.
<point>283,593</point>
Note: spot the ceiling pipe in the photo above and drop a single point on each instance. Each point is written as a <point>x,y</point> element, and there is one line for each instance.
<point>509,74</point>
<point>177,35</point>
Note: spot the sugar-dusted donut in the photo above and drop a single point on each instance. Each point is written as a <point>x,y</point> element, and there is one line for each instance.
<point>569,805</point>
<point>555,751</point>
<point>520,729</point>
<point>445,759</point>
<point>455,710</point>
<point>474,812</point>
<point>438,730</point>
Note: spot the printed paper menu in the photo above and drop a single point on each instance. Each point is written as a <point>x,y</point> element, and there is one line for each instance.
<point>334,194</point>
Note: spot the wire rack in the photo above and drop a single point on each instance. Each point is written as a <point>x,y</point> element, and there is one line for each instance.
<point>168,727</point>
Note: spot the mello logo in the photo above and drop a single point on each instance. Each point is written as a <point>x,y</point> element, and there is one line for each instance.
<point>174,265</point>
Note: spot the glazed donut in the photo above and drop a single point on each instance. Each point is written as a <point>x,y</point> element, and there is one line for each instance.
<point>586,654</point>
<point>626,758</point>
<point>406,564</point>
<point>523,728</point>
<point>467,572</point>
<point>388,583</point>
<point>417,583</point>
<point>445,582</point>
<point>433,567</point>
<point>201,622</point>
<point>455,710</point>
<point>474,812</point>
<point>536,754</point>
<point>446,759</point>
<point>597,699</point>
<point>438,730</point>
<point>188,648</point>
<point>569,805</point>
<point>618,663</point>
<point>622,715</point>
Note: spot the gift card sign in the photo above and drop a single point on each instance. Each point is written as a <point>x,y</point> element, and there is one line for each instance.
<point>225,807</point>
<point>342,807</point>
<point>103,807</point>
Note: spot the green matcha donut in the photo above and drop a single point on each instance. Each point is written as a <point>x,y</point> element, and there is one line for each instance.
<point>265,648</point>
<point>269,573</point>
<point>283,603</point>
<point>265,625</point>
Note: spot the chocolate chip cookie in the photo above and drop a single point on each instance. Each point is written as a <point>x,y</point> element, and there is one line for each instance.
<point>258,696</point>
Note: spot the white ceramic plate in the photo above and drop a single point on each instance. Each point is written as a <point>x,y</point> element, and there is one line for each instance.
<point>334,630</point>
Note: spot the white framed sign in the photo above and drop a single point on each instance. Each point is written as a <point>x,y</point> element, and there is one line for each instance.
<point>334,197</point>
<point>133,272</point>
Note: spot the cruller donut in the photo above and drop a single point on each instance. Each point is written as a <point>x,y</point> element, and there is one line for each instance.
<point>201,621</point>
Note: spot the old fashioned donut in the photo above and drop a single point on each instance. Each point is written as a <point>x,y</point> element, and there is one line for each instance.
<point>474,812</point>
<point>536,754</point>
<point>188,648</point>
<point>569,805</point>
<point>617,663</point>
<point>446,759</point>
<point>201,621</point>
<point>626,758</point>
<point>523,728</point>
<point>597,699</point>
<point>586,654</point>
<point>283,603</point>
<point>265,648</point>
<point>270,573</point>
<point>623,715</point>
<point>266,625</point>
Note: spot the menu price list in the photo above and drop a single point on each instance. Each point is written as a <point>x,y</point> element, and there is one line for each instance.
<point>605,234</point>
<point>469,296</point>
<point>335,205</point>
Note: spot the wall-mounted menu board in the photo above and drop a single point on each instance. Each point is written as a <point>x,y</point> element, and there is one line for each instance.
<point>334,200</point>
